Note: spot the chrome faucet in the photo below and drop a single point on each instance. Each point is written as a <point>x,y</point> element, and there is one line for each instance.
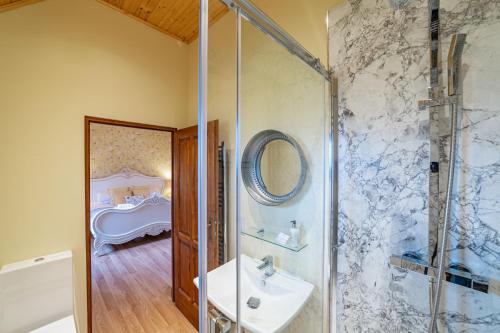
<point>268,265</point>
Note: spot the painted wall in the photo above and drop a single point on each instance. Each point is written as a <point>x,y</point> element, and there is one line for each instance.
<point>384,163</point>
<point>114,148</point>
<point>61,60</point>
<point>305,20</point>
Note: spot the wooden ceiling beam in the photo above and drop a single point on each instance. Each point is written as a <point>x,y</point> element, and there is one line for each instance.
<point>6,5</point>
<point>176,18</point>
<point>107,4</point>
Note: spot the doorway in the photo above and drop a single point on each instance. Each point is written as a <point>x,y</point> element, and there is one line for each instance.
<point>140,214</point>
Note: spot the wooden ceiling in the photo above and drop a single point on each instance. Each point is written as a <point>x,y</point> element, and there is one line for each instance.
<point>12,4</point>
<point>176,18</point>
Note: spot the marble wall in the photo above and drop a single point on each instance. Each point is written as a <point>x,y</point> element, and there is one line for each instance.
<point>379,50</point>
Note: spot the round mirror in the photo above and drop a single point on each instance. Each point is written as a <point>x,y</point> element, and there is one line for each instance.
<point>273,167</point>
<point>280,167</point>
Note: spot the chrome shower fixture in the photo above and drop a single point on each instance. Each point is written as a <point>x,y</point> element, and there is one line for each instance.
<point>454,88</point>
<point>454,63</point>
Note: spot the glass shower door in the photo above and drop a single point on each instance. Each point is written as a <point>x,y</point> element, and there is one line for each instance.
<point>282,197</point>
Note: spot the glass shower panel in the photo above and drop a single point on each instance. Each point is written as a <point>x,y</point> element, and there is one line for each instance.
<point>221,100</point>
<point>283,144</point>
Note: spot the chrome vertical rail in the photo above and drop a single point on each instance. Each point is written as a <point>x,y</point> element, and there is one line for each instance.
<point>202,166</point>
<point>333,177</point>
<point>334,204</point>
<point>446,225</point>
<point>454,89</point>
<point>237,165</point>
<point>435,98</point>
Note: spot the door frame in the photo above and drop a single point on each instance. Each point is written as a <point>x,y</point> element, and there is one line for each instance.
<point>88,120</point>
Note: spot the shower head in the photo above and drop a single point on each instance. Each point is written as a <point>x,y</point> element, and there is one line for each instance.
<point>455,62</point>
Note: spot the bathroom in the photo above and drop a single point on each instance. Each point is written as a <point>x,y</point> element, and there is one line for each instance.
<point>341,121</point>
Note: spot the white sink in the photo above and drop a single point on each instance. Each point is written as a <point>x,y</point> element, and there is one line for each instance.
<point>281,297</point>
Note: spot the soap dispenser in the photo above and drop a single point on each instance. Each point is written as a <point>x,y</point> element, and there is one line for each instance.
<point>294,234</point>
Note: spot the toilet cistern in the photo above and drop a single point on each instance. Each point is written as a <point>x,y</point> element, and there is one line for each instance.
<point>36,295</point>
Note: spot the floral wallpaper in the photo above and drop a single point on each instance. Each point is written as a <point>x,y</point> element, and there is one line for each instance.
<point>114,148</point>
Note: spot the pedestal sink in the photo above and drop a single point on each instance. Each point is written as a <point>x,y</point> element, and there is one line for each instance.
<point>281,297</point>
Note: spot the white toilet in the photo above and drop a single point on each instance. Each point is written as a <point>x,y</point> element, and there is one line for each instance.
<point>36,295</point>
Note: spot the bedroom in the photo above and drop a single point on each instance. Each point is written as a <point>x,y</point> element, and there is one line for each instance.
<point>140,179</point>
<point>130,196</point>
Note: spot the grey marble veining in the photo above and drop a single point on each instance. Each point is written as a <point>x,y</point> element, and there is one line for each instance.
<point>398,4</point>
<point>475,232</point>
<point>379,51</point>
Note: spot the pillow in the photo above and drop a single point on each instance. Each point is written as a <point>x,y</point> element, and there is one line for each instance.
<point>118,194</point>
<point>156,190</point>
<point>124,206</point>
<point>103,198</point>
<point>145,191</point>
<point>134,199</point>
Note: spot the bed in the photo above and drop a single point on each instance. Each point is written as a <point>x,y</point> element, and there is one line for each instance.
<point>119,214</point>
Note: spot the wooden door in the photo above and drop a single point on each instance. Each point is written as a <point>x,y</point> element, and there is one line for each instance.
<point>185,228</point>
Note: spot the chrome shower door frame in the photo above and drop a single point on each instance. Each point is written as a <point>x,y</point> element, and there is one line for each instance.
<point>245,9</point>
<point>202,167</point>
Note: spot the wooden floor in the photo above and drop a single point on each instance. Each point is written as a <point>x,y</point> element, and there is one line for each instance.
<point>132,289</point>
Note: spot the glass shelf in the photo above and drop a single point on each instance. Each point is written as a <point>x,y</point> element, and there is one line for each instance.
<point>270,237</point>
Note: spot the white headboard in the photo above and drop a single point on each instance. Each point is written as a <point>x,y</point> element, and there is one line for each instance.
<point>126,178</point>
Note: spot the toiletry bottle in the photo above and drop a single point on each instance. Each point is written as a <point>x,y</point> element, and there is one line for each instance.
<point>294,234</point>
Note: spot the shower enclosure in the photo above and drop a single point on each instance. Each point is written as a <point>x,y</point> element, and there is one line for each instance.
<point>283,203</point>
<point>277,278</point>
<point>287,94</point>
